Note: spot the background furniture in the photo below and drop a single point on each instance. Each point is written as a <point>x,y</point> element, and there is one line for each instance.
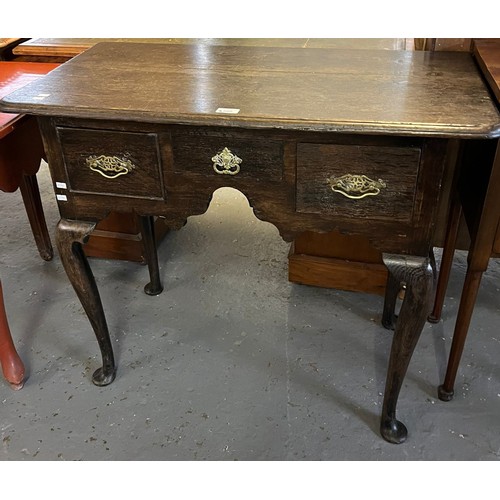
<point>12,365</point>
<point>21,151</point>
<point>6,46</point>
<point>305,164</point>
<point>63,49</point>
<point>477,193</point>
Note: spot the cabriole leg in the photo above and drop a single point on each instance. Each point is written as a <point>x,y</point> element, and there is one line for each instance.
<point>392,289</point>
<point>70,236</point>
<point>416,274</point>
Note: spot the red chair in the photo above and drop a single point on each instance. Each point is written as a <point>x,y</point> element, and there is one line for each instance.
<point>21,151</point>
<point>12,366</point>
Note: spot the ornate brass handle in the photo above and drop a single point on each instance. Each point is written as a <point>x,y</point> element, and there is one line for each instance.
<point>226,162</point>
<point>356,186</point>
<point>110,166</point>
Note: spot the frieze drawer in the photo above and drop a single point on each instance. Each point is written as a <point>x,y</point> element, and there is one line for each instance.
<point>111,162</point>
<point>354,181</point>
<point>227,155</point>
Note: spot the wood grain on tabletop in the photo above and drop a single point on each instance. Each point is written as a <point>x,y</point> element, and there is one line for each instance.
<point>70,47</point>
<point>348,90</point>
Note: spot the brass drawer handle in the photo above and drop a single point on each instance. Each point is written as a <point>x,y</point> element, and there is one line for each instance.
<point>226,162</point>
<point>110,166</point>
<point>356,186</point>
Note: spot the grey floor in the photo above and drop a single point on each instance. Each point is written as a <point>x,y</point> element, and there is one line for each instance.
<point>231,361</point>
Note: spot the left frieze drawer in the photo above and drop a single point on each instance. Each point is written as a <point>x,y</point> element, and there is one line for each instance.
<point>111,162</point>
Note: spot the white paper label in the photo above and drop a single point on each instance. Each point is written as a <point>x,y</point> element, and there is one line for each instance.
<point>228,111</point>
<point>61,185</point>
<point>61,197</point>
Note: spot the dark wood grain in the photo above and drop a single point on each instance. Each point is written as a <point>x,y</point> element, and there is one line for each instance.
<point>272,192</point>
<point>193,149</point>
<point>141,149</point>
<point>389,92</point>
<point>396,167</point>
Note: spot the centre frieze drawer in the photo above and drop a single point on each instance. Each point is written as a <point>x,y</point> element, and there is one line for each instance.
<point>112,162</point>
<point>346,181</point>
<point>227,155</point>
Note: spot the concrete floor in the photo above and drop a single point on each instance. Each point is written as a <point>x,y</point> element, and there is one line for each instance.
<point>231,361</point>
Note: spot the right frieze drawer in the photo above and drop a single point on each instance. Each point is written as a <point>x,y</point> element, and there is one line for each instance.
<point>346,181</point>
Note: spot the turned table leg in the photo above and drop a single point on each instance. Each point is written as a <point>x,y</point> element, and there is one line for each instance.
<point>12,366</point>
<point>446,260</point>
<point>416,274</point>
<point>154,287</point>
<point>70,236</point>
<point>483,233</point>
<point>469,293</point>
<point>465,310</point>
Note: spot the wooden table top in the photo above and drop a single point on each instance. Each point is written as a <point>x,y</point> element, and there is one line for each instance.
<point>70,47</point>
<point>360,91</point>
<point>487,54</point>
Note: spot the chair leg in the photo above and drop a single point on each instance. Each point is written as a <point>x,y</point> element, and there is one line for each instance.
<point>12,366</point>
<point>33,204</point>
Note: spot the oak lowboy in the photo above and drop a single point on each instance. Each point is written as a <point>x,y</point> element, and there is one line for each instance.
<point>318,140</point>
<point>293,179</point>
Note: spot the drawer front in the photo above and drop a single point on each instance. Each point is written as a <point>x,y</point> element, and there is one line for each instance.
<point>346,181</point>
<point>111,162</point>
<point>226,155</point>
